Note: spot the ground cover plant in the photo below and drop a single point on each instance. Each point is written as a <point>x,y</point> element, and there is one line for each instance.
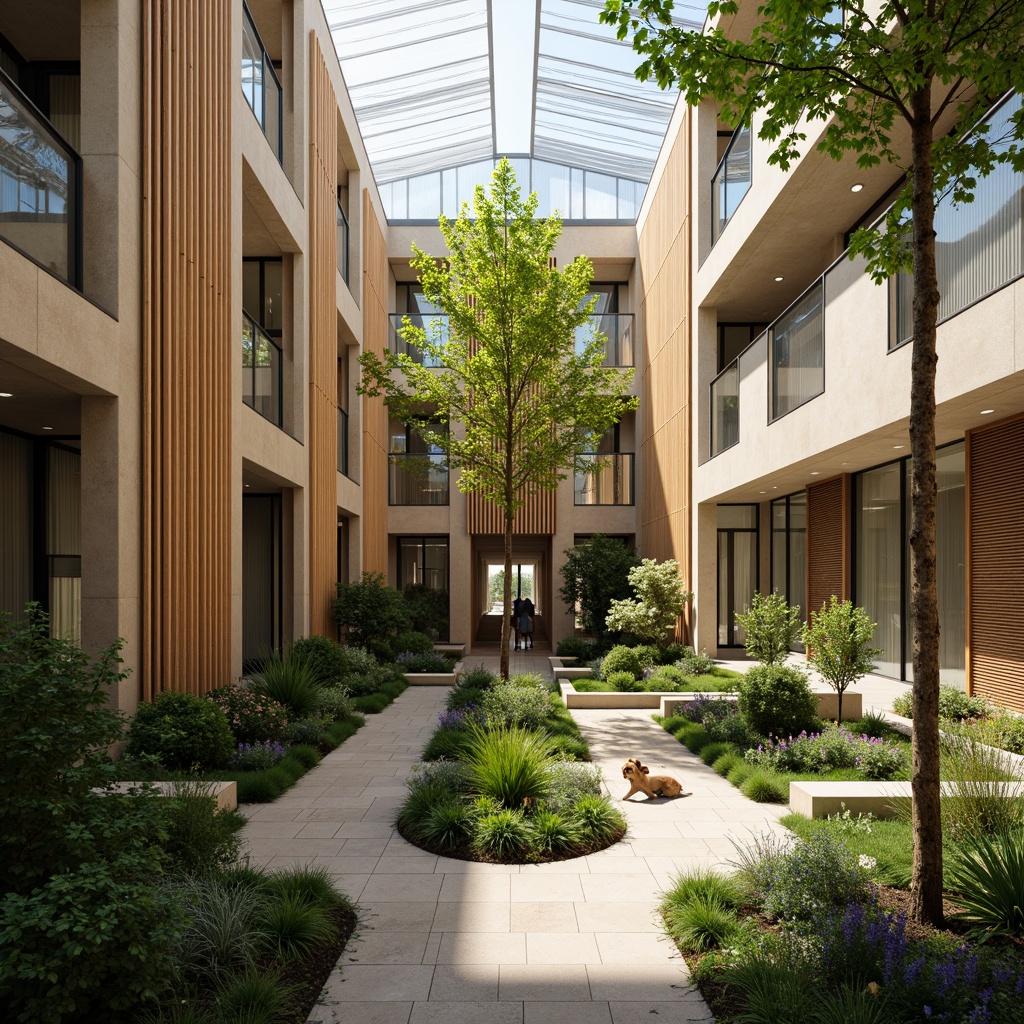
<point>506,778</point>
<point>134,907</point>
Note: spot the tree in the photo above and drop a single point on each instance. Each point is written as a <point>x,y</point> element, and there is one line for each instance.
<point>661,595</point>
<point>838,640</point>
<point>372,611</point>
<point>771,627</point>
<point>596,573</point>
<point>522,401</point>
<point>898,83</point>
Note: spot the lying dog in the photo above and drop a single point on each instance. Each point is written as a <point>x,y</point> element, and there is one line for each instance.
<point>641,781</point>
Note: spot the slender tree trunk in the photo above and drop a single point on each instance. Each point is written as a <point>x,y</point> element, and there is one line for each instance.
<point>926,876</point>
<point>506,626</point>
<point>839,709</point>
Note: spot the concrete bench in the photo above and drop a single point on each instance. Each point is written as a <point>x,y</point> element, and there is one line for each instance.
<point>820,799</point>
<point>225,793</point>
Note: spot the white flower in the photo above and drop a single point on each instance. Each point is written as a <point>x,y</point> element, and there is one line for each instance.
<point>866,862</point>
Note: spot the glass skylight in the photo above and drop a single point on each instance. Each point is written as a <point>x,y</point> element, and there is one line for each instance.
<point>440,85</point>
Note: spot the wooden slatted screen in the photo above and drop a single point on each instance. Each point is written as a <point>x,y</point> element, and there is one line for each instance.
<point>190,342</point>
<point>828,541</point>
<point>995,562</point>
<point>375,416</point>
<point>537,516</point>
<point>663,284</point>
<point>323,342</point>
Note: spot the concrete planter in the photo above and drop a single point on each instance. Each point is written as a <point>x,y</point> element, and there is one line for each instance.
<point>224,793</point>
<point>434,678</point>
<point>450,648</point>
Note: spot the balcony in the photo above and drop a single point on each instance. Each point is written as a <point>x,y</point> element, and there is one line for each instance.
<point>261,86</point>
<point>434,324</point>
<point>342,441</point>
<point>725,408</point>
<point>604,479</point>
<point>617,329</point>
<point>417,479</point>
<point>731,181</point>
<point>40,187</point>
<point>343,237</point>
<point>261,372</point>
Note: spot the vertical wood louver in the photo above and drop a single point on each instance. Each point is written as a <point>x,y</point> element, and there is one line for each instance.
<point>828,541</point>
<point>995,562</point>
<point>189,343</point>
<point>375,416</point>
<point>537,516</point>
<point>323,342</point>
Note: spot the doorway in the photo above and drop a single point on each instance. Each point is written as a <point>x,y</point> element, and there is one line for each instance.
<point>737,569</point>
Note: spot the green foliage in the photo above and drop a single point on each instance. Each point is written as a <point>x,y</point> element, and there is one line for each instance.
<point>703,883</point>
<point>434,661</point>
<point>503,833</point>
<point>310,883</point>
<point>595,573</point>
<point>449,775</point>
<point>372,612</point>
<point>578,648</point>
<point>508,764</point>
<point>764,787</point>
<point>693,664</point>
<point>428,610</point>
<point>988,877</point>
<point>725,763</point>
<point>475,678</point>
<point>660,598</point>
<point>597,819</point>
<point>838,640</point>
<point>511,704</point>
<point>251,716</point>
<point>324,657</point>
<point>775,700</point>
<point>199,838</point>
<point>256,997</point>
<point>570,780</point>
<point>954,705</point>
<point>419,803</point>
<point>307,756</point>
<point>412,642</point>
<point>552,832</point>
<point>771,628</point>
<point>295,926</point>
<point>182,731</point>
<point>374,703</point>
<point>713,751</point>
<point>312,731</point>
<point>447,743</point>
<point>289,681</point>
<point>448,824</point>
<point>624,681</point>
<point>739,773</point>
<point>622,659</point>
<point>333,703</point>
<point>703,923</point>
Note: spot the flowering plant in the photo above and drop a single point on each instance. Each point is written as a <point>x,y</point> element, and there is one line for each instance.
<point>258,756</point>
<point>250,715</point>
<point>834,747</point>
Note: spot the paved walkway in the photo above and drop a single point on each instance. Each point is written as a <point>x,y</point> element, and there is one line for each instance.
<point>448,941</point>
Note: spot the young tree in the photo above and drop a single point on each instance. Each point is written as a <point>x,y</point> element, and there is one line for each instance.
<point>897,82</point>
<point>771,627</point>
<point>522,401</point>
<point>660,598</point>
<point>838,640</point>
<point>596,573</point>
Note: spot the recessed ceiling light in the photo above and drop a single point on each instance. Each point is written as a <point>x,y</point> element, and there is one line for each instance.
<point>899,446</point>
<point>762,492</point>
<point>816,473</point>
<point>843,463</point>
<point>778,279</point>
<point>6,394</point>
<point>857,187</point>
<point>246,485</point>
<point>984,412</point>
<point>47,428</point>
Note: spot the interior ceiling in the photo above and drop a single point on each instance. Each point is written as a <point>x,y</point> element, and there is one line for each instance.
<point>437,83</point>
<point>44,29</point>
<point>36,403</point>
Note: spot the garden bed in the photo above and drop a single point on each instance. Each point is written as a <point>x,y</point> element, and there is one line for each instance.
<point>434,678</point>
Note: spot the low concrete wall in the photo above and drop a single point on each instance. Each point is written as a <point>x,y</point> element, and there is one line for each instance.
<point>225,793</point>
<point>820,799</point>
<point>828,704</point>
<point>434,678</point>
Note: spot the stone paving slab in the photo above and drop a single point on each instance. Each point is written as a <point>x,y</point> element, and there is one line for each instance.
<point>450,941</point>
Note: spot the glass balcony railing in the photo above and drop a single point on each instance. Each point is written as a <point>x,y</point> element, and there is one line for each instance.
<point>725,408</point>
<point>618,331</point>
<point>605,480</point>
<point>343,235</point>
<point>731,181</point>
<point>342,441</point>
<point>261,372</point>
<point>435,325</point>
<point>796,352</point>
<point>417,479</point>
<point>40,187</point>
<point>261,86</point>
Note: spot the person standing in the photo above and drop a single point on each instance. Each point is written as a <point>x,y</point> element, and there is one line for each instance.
<point>526,612</point>
<point>517,607</point>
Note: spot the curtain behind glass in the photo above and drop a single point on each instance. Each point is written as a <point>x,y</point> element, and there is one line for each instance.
<point>64,543</point>
<point>66,107</point>
<point>878,547</point>
<point>15,524</point>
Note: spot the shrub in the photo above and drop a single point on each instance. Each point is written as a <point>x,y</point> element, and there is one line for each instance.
<point>660,598</point>
<point>671,653</point>
<point>200,837</point>
<point>776,701</point>
<point>622,659</point>
<point>882,761</point>
<point>576,647</point>
<point>725,764</point>
<point>476,678</point>
<point>838,640</point>
<point>988,877</point>
<point>771,628</point>
<point>873,724</point>
<point>551,832</point>
<point>306,755</point>
<point>258,756</point>
<point>705,883</point>
<point>903,704</point>
<point>597,819</point>
<point>310,883</point>
<point>288,681</point>
<point>412,642</point>
<point>324,657</point>
<point>624,681</point>
<point>985,789</point>
<point>595,573</point>
<point>182,731</point>
<point>713,751</point>
<point>764,788</point>
<point>739,773</point>
<point>312,731</point>
<point>333,702</point>
<point>371,611</point>
<point>694,664</point>
<point>665,677</point>
<point>955,705</point>
<point>570,780</point>
<point>256,997</point>
<point>451,776</point>
<point>295,926</point>
<point>419,803</point>
<point>427,609</point>
<point>503,833</point>
<point>508,764</point>
<point>448,744</point>
<point>510,704</point>
<point>251,716</point>
<point>703,923</point>
<point>448,824</point>
<point>433,662</point>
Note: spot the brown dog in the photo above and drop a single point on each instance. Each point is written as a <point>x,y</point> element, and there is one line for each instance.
<point>641,781</point>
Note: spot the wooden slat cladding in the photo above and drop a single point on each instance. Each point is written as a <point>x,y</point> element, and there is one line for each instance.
<point>828,541</point>
<point>190,342</point>
<point>663,286</point>
<point>995,562</point>
<point>323,342</point>
<point>375,416</point>
<point>537,516</point>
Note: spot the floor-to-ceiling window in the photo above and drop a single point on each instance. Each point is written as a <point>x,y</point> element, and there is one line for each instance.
<point>423,566</point>
<point>261,575</point>
<point>789,551</point>
<point>737,569</point>
<point>882,561</point>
